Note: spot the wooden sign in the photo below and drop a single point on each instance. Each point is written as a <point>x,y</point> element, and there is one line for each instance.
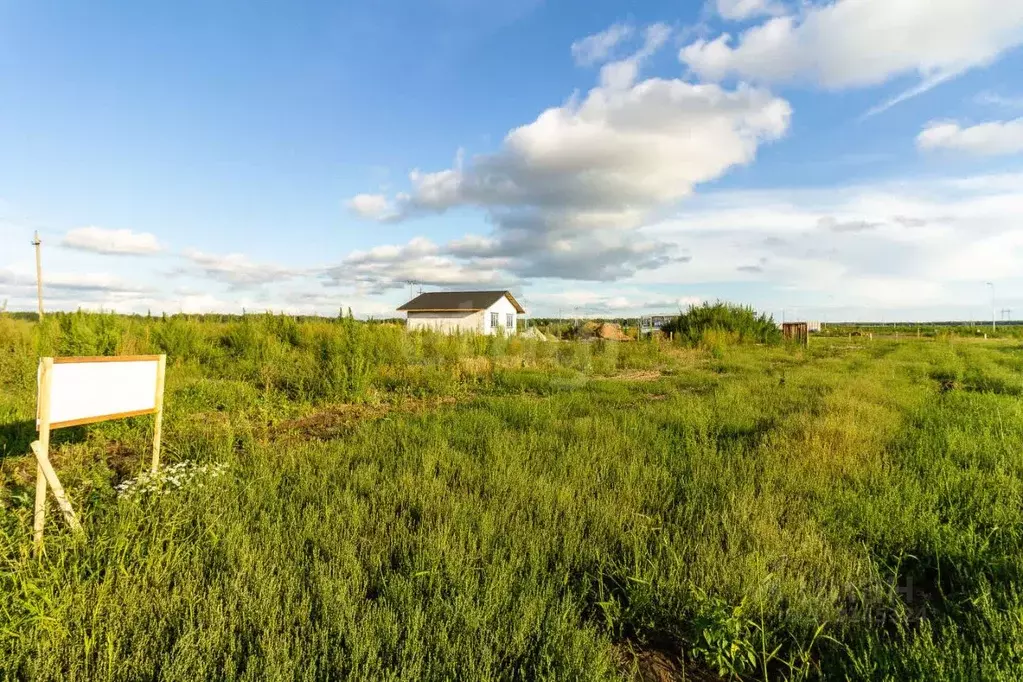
<point>88,390</point>
<point>76,391</point>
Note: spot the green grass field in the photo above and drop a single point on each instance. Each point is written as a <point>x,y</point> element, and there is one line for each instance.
<point>430,508</point>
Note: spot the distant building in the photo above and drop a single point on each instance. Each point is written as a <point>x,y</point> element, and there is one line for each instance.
<point>480,312</point>
<point>654,323</point>
<point>812,326</point>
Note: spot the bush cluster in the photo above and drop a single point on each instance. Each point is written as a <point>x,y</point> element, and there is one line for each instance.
<point>715,324</point>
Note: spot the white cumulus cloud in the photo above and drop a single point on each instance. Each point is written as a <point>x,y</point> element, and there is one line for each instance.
<point>65,282</point>
<point>904,243</point>
<point>421,262</point>
<point>375,206</point>
<point>566,191</point>
<point>993,138</point>
<point>739,10</point>
<point>599,46</point>
<point>855,43</point>
<point>237,269</point>
<point>113,242</point>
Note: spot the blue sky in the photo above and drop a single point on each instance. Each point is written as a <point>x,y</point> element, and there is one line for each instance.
<point>856,159</point>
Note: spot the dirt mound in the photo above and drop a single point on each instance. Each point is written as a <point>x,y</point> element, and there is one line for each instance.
<point>608,331</point>
<point>612,332</point>
<point>534,333</point>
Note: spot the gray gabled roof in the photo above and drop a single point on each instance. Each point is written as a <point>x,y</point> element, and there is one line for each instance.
<point>451,301</point>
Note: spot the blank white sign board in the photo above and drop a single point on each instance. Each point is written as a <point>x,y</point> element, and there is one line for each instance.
<point>86,390</point>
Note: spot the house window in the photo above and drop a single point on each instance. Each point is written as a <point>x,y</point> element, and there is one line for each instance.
<point>510,321</point>
<point>495,320</point>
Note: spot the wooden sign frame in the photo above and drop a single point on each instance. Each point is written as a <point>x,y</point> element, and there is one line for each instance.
<point>45,474</point>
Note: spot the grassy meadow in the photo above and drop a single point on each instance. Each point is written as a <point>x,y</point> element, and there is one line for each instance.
<point>419,507</point>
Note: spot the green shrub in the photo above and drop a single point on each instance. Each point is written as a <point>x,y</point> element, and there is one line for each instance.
<point>715,319</point>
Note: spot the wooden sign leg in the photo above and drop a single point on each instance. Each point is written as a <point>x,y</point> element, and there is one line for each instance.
<point>39,519</point>
<point>161,371</point>
<point>58,490</point>
<point>45,383</point>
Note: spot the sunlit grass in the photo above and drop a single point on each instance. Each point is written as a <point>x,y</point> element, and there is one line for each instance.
<point>849,511</point>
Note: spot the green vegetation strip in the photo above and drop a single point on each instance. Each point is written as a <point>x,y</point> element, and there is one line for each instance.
<point>508,509</point>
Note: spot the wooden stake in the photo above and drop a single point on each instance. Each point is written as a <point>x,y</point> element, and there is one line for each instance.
<point>39,273</point>
<point>43,415</point>
<point>161,370</point>
<point>58,489</point>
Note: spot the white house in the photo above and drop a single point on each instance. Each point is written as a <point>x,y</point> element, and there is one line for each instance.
<point>480,312</point>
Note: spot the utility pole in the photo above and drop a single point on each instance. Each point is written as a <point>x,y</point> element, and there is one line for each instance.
<point>993,313</point>
<point>39,273</point>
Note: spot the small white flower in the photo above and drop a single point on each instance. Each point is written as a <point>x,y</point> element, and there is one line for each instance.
<point>177,476</point>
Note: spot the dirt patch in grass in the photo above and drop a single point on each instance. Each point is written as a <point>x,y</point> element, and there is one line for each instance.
<point>337,420</point>
<point>329,423</point>
<point>660,665</point>
<point>640,375</point>
<point>124,461</point>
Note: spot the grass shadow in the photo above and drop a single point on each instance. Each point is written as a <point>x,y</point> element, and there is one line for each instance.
<point>16,437</point>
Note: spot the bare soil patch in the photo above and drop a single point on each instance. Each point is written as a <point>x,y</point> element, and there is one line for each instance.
<point>658,665</point>
<point>640,375</point>
<point>337,420</point>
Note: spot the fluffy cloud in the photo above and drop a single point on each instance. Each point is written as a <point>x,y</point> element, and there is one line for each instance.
<point>622,73</point>
<point>852,43</point>
<point>114,242</point>
<point>237,270</point>
<point>986,139</point>
<point>567,191</point>
<point>598,47</point>
<point>420,262</point>
<point>373,206</point>
<point>69,282</point>
<point>623,146</point>
<point>901,244</point>
<point>738,10</point>
<point>616,302</point>
<point>67,291</point>
<point>94,291</point>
